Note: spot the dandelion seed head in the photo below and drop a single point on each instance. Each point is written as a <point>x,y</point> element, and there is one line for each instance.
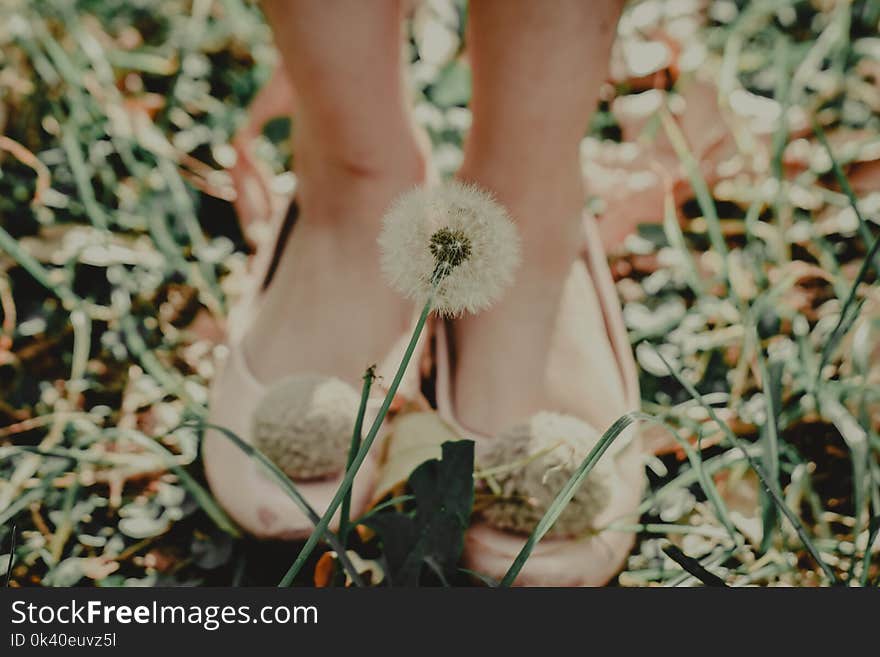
<point>542,454</point>
<point>304,425</point>
<point>450,248</point>
<point>454,236</point>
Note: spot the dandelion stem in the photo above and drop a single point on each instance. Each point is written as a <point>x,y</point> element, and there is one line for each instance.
<point>350,473</point>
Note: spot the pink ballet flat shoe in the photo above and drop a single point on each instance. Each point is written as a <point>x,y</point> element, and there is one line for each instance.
<point>303,423</point>
<point>534,459</point>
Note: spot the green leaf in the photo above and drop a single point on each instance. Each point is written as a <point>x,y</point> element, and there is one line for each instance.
<point>433,533</point>
<point>399,534</point>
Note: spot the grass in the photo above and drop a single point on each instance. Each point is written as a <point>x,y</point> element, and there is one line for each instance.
<point>752,301</point>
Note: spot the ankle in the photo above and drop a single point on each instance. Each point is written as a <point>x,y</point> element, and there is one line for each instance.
<point>404,159</point>
<point>524,168</point>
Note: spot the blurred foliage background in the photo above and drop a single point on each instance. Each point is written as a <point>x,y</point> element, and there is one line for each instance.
<point>743,138</point>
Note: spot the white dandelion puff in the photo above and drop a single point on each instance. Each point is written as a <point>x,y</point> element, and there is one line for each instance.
<point>454,237</point>
<point>304,425</point>
<point>532,462</point>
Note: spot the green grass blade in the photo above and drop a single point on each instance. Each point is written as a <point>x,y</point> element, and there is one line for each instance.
<point>566,494</point>
<point>771,378</point>
<point>698,183</point>
<point>11,561</point>
<point>202,497</point>
<point>856,438</point>
<point>295,495</point>
<point>706,483</point>
<point>34,494</point>
<point>846,316</point>
<point>485,579</point>
<point>39,273</point>
<point>693,566</point>
<point>171,381</point>
<point>394,501</point>
<point>675,237</point>
<point>689,477</point>
<point>843,181</point>
<point>873,530</point>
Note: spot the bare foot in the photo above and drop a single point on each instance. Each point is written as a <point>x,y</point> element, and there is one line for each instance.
<point>328,309</point>
<point>544,346</point>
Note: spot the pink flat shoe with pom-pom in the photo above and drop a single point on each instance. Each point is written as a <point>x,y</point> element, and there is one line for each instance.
<point>303,423</point>
<point>524,467</point>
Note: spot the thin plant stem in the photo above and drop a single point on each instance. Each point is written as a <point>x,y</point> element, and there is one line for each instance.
<point>347,481</point>
<point>847,313</point>
<point>356,438</point>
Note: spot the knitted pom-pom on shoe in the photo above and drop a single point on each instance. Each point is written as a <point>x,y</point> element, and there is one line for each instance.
<point>529,464</point>
<point>304,425</point>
